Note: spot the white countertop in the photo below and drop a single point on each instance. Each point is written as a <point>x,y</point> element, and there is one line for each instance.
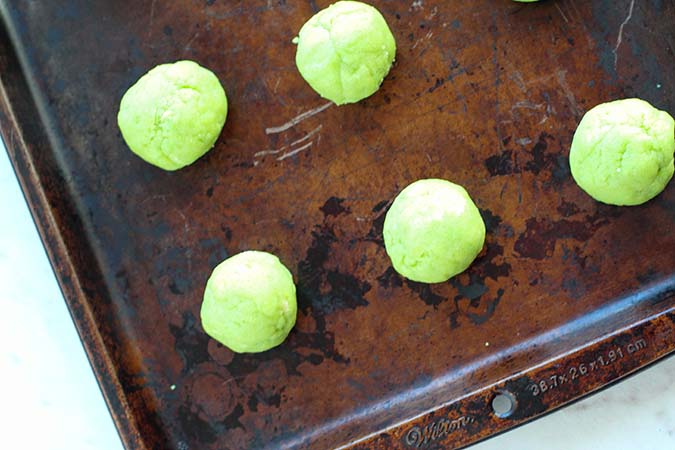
<point>52,402</point>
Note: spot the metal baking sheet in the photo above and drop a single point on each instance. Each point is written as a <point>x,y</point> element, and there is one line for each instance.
<point>568,295</point>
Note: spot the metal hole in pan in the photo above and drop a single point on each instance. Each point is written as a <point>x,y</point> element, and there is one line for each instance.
<point>504,404</point>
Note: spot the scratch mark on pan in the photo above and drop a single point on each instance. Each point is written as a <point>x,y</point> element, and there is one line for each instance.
<point>526,104</point>
<point>384,209</point>
<point>270,152</point>
<point>619,38</point>
<point>549,111</point>
<point>161,197</point>
<point>186,224</point>
<point>517,77</point>
<point>152,16</point>
<point>576,10</point>
<point>426,37</point>
<point>192,39</point>
<point>307,136</point>
<point>416,5</point>
<point>230,380</point>
<point>561,13</point>
<point>292,144</point>
<point>560,75</point>
<point>297,119</point>
<point>186,231</point>
<point>295,152</point>
<point>541,79</point>
<point>497,79</point>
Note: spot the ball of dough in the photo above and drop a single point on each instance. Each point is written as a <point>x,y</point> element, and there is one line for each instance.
<point>345,51</point>
<point>622,152</point>
<point>173,114</point>
<point>433,231</point>
<point>249,302</point>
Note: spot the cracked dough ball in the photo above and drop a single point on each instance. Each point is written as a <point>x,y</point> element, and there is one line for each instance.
<point>433,231</point>
<point>622,152</point>
<point>345,51</point>
<point>173,114</point>
<point>249,302</point>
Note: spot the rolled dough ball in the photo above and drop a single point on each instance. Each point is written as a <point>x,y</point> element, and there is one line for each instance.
<point>173,114</point>
<point>433,231</point>
<point>345,51</point>
<point>622,152</point>
<point>249,302</point>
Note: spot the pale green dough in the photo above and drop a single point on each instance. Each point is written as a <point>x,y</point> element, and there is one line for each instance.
<point>173,114</point>
<point>622,152</point>
<point>345,51</point>
<point>433,231</point>
<point>249,302</point>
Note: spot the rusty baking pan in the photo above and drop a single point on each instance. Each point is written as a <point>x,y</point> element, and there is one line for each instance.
<point>568,296</point>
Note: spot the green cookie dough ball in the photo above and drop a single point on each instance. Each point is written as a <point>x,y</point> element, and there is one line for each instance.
<point>173,114</point>
<point>622,152</point>
<point>433,231</point>
<point>345,51</point>
<point>249,302</point>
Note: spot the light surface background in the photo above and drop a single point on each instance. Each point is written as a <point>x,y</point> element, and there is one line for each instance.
<point>50,399</point>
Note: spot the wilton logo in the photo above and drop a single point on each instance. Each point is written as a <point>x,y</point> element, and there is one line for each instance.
<point>421,437</point>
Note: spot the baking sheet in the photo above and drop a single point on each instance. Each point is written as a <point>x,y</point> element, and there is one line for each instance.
<point>484,93</point>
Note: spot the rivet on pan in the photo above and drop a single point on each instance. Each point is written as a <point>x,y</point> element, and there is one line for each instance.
<point>504,404</point>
